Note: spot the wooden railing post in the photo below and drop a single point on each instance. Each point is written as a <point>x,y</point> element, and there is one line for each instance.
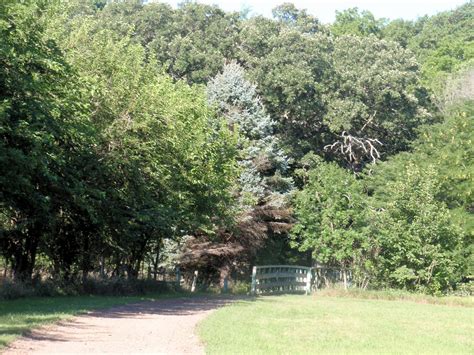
<point>178,278</point>
<point>225,289</point>
<point>254,280</point>
<point>193,286</point>
<point>316,278</point>
<point>308,281</point>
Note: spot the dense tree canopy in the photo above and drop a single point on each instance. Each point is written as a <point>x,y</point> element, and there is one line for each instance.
<point>162,162</point>
<point>353,21</point>
<point>376,101</point>
<point>418,241</point>
<point>137,133</point>
<point>331,215</point>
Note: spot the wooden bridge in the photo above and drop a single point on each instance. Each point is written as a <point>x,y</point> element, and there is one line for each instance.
<point>296,279</point>
<point>281,279</point>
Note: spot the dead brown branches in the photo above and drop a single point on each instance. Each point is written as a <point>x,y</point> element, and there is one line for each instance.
<point>355,149</point>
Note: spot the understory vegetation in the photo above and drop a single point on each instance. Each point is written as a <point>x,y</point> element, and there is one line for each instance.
<point>137,138</point>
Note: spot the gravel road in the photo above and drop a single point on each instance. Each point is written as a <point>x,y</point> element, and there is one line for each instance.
<point>152,327</point>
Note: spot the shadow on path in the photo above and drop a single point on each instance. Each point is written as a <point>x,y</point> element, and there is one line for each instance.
<point>178,308</point>
<point>172,307</point>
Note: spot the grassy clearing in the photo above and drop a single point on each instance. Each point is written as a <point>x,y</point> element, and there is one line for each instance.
<point>20,315</point>
<point>328,324</point>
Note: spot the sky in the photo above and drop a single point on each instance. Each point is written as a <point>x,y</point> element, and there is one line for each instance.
<point>324,10</point>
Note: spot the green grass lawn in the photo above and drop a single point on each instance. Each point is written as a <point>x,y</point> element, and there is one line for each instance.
<point>328,324</point>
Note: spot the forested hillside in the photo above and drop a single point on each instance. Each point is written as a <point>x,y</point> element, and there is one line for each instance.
<point>138,136</point>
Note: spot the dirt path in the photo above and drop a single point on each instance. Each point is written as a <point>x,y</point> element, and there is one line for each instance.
<point>155,327</point>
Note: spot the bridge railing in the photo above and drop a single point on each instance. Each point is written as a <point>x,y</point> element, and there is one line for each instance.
<point>281,279</point>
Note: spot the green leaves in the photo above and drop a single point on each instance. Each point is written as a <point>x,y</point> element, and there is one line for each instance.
<point>332,217</point>
<point>417,239</point>
<point>106,149</point>
<point>355,22</point>
<point>422,186</point>
<point>43,137</point>
<point>375,96</point>
<point>101,153</point>
<point>442,43</point>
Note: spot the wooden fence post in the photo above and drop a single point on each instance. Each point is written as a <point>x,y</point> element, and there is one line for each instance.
<point>193,286</point>
<point>226,285</point>
<point>308,281</point>
<point>178,277</point>
<point>316,278</point>
<point>254,280</point>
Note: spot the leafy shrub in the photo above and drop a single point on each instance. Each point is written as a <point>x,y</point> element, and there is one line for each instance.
<point>464,289</point>
<point>90,286</point>
<point>10,290</point>
<point>241,288</point>
<point>417,238</point>
<point>123,287</point>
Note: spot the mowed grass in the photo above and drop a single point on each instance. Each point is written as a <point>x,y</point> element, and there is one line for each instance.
<point>328,325</point>
<point>21,315</point>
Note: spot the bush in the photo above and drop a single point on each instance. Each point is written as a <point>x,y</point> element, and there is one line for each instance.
<point>49,288</point>
<point>10,290</point>
<point>241,288</point>
<point>123,287</point>
<point>464,289</point>
<point>91,286</point>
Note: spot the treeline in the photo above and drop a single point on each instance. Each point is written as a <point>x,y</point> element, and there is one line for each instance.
<point>102,155</point>
<point>139,134</point>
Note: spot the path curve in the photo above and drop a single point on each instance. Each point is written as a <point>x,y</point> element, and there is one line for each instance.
<point>151,327</point>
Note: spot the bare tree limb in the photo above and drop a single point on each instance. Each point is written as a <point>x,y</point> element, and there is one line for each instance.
<point>355,149</point>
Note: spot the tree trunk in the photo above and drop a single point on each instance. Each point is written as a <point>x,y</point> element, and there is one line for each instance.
<point>156,261</point>
<point>102,267</point>
<point>24,259</point>
<point>224,275</point>
<point>86,262</point>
